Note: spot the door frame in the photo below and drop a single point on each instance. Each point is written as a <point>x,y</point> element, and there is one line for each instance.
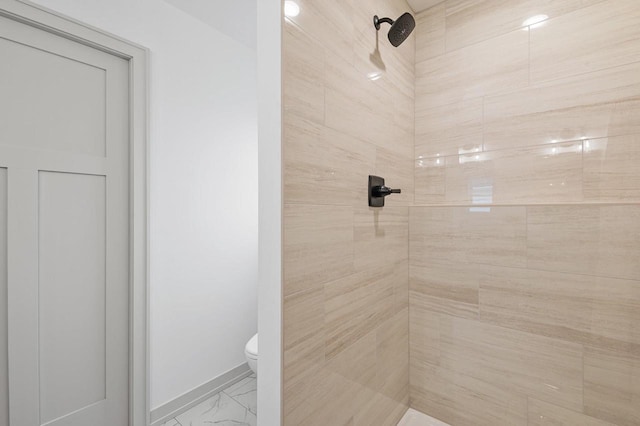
<point>138,58</point>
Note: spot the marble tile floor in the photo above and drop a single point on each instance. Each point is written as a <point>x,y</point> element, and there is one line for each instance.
<point>233,406</point>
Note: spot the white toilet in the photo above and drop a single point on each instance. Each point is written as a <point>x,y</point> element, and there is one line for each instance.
<point>251,353</point>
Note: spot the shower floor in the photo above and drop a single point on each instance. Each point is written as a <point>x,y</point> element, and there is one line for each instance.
<point>416,418</point>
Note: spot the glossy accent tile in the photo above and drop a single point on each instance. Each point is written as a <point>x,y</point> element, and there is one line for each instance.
<point>594,105</point>
<point>604,35</point>
<point>462,400</point>
<point>322,166</point>
<point>445,287</point>
<point>597,311</point>
<point>611,169</point>
<point>430,32</point>
<point>303,71</point>
<point>314,237</point>
<point>601,240</point>
<point>547,369</point>
<point>499,64</point>
<point>356,305</point>
<point>221,410</point>
<point>612,386</point>
<point>540,174</point>
<point>544,414</point>
<point>484,235</point>
<point>449,129</point>
<point>471,21</point>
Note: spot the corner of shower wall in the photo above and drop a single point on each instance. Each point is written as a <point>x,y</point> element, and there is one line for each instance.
<point>348,113</point>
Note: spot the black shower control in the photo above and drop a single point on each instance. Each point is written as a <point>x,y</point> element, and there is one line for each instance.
<point>378,190</point>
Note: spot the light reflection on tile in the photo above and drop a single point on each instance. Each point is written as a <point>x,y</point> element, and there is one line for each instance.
<point>471,21</point>
<point>565,110</point>
<point>540,174</point>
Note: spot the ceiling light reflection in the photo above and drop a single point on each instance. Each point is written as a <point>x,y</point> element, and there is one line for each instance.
<point>291,9</point>
<point>535,21</point>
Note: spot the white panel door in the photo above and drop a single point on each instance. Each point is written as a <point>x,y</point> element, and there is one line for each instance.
<point>64,223</point>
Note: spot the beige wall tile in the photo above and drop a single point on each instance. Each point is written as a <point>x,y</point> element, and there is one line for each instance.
<point>598,311</point>
<point>462,400</point>
<point>424,336</point>
<point>380,236</point>
<point>358,361</point>
<point>492,235</point>
<point>345,266</point>
<point>430,178</point>
<point>303,335</point>
<point>398,173</point>
<point>601,240</point>
<point>315,237</point>
<point>303,70</point>
<point>323,166</point>
<point>448,129</point>
<point>444,286</point>
<point>471,21</point>
<point>392,354</point>
<point>329,23</point>
<point>499,64</point>
<point>612,169</point>
<point>612,386</point>
<point>548,369</point>
<point>540,174</point>
<point>430,32</point>
<point>594,105</point>
<point>604,35</point>
<point>380,410</point>
<point>359,107</point>
<point>355,305</point>
<point>544,414</point>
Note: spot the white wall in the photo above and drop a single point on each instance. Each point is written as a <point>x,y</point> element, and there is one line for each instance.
<point>203,188</point>
<point>270,244</point>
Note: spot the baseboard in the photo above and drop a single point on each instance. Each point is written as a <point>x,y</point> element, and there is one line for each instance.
<point>195,396</point>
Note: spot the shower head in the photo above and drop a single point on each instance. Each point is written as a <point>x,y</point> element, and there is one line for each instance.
<point>400,28</point>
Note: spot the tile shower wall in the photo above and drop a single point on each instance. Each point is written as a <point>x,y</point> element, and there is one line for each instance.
<point>525,238</point>
<point>348,112</point>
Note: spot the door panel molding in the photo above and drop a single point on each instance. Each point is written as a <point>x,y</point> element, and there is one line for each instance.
<point>137,57</point>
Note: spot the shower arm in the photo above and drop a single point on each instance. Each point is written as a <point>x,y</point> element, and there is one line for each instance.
<point>377,21</point>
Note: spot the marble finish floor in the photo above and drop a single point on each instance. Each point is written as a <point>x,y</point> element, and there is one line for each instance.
<point>233,406</point>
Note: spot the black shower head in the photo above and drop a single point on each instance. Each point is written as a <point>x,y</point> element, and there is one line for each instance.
<point>400,28</point>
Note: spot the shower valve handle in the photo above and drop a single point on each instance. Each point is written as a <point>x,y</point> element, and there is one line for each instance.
<point>383,191</point>
<point>378,190</point>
